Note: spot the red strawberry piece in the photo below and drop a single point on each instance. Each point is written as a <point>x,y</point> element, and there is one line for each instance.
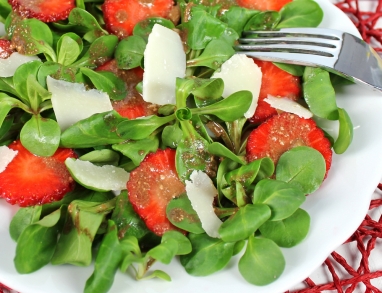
<point>122,15</point>
<point>32,180</point>
<point>44,10</point>
<point>263,4</point>
<point>133,106</point>
<point>5,49</point>
<point>110,65</point>
<point>282,132</point>
<point>151,187</point>
<point>275,82</point>
<point>131,76</point>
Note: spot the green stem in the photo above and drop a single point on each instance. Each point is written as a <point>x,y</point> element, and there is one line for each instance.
<point>225,212</point>
<point>235,129</point>
<point>192,55</point>
<point>183,89</point>
<point>105,207</point>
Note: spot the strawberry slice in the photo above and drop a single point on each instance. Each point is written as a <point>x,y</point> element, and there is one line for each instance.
<point>133,106</point>
<point>5,49</point>
<point>122,15</point>
<point>32,180</point>
<point>275,82</point>
<point>151,187</point>
<point>44,10</point>
<point>282,132</point>
<point>110,65</point>
<point>263,4</point>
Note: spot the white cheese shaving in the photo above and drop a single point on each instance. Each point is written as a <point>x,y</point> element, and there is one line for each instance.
<point>241,73</point>
<point>287,105</point>
<point>201,192</point>
<point>6,156</point>
<point>72,102</point>
<point>8,66</point>
<point>164,61</point>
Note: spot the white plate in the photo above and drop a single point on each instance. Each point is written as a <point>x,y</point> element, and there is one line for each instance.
<point>336,210</point>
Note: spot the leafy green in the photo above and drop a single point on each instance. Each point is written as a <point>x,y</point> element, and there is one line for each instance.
<point>302,167</point>
<point>301,13</point>
<point>107,262</point>
<point>282,198</point>
<point>208,255</point>
<point>244,223</point>
<point>262,262</point>
<point>345,135</point>
<point>319,93</point>
<point>288,232</point>
<point>43,234</point>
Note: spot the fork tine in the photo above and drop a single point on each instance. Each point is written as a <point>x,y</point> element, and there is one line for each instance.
<point>293,45</point>
<point>293,58</point>
<point>291,40</point>
<point>303,48</point>
<point>337,51</point>
<point>295,40</point>
<point>303,32</point>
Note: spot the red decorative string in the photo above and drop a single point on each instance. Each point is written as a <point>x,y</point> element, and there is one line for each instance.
<point>365,21</point>
<point>365,237</point>
<point>5,289</point>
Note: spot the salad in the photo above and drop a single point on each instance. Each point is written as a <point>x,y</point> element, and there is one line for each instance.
<point>198,177</point>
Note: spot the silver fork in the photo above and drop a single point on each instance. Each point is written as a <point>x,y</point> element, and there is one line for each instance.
<point>336,51</point>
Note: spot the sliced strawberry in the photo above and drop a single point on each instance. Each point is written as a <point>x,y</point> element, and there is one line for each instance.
<point>44,10</point>
<point>263,4</point>
<point>282,132</point>
<point>122,15</point>
<point>133,106</point>
<point>275,82</point>
<point>32,180</point>
<point>151,187</point>
<point>110,65</point>
<point>5,49</point>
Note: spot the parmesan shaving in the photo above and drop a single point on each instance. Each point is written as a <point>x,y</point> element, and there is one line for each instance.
<point>287,105</point>
<point>8,66</point>
<point>164,60</point>
<point>201,192</point>
<point>6,156</point>
<point>241,73</point>
<point>72,102</point>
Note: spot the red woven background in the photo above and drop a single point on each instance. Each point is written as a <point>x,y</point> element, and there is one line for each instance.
<point>365,20</point>
<point>370,230</point>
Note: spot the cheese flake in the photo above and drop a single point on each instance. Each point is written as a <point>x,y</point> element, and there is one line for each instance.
<point>72,102</point>
<point>9,65</point>
<point>241,73</point>
<point>287,105</point>
<point>6,156</point>
<point>201,192</point>
<point>164,61</point>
